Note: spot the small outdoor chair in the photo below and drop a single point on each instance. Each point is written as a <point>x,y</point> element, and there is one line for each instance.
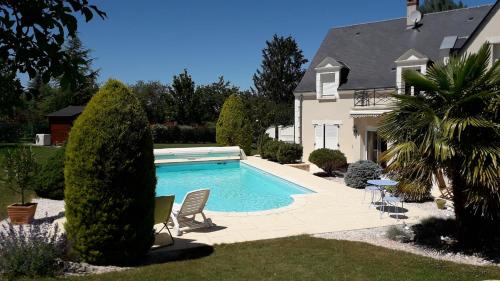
<point>183,216</point>
<point>391,200</point>
<point>163,211</point>
<point>373,189</point>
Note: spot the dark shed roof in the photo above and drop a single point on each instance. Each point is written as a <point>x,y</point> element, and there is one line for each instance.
<point>67,111</point>
<point>369,50</point>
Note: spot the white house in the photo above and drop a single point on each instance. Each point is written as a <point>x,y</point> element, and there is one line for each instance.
<point>345,90</point>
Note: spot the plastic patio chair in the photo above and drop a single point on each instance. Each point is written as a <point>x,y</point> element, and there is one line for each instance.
<point>183,216</point>
<point>163,211</point>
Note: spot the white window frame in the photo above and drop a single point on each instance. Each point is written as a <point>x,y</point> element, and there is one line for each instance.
<point>410,60</point>
<point>322,123</point>
<point>495,40</point>
<point>328,67</point>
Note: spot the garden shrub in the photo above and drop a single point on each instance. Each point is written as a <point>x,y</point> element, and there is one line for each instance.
<point>289,153</point>
<point>234,126</point>
<point>396,233</point>
<point>430,230</point>
<point>182,134</point>
<point>110,179</point>
<point>50,177</point>
<point>10,132</point>
<point>360,172</point>
<point>270,150</point>
<point>34,251</point>
<point>327,159</point>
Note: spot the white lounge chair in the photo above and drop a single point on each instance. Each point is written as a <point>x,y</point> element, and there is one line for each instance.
<point>183,216</point>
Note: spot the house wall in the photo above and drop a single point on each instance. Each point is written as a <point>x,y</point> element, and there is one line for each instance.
<point>490,33</point>
<point>313,109</point>
<point>351,144</point>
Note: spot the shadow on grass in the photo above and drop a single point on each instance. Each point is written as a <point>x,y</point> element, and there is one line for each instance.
<point>441,235</point>
<point>166,250</point>
<point>182,249</point>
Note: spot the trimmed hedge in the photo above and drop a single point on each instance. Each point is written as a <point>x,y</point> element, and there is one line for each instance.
<point>182,134</point>
<point>270,150</point>
<point>360,172</point>
<point>50,178</point>
<point>280,151</point>
<point>234,126</point>
<point>110,179</point>
<point>289,153</point>
<point>328,159</point>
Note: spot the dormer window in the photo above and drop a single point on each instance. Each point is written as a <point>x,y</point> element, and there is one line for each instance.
<point>411,60</point>
<point>328,78</point>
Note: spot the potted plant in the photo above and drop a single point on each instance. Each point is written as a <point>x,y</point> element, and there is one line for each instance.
<point>21,167</point>
<point>441,203</point>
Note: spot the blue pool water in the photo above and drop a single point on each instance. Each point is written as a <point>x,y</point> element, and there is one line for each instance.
<point>234,186</point>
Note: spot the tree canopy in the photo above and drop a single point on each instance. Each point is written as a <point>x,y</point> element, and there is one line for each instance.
<point>154,97</point>
<point>184,101</point>
<point>432,6</point>
<point>280,73</point>
<point>33,34</point>
<point>281,69</point>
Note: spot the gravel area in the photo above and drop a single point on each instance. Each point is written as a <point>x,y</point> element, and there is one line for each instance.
<point>376,236</point>
<point>51,210</point>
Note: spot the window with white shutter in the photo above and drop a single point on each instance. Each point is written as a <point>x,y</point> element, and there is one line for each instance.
<point>319,137</point>
<point>332,136</point>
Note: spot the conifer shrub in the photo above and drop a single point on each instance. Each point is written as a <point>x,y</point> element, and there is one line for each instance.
<point>50,177</point>
<point>360,172</point>
<point>110,179</point>
<point>328,159</point>
<point>234,126</point>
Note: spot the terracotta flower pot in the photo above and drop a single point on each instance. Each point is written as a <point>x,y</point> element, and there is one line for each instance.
<point>21,214</point>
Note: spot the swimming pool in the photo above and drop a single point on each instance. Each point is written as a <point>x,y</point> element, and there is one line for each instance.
<point>234,186</point>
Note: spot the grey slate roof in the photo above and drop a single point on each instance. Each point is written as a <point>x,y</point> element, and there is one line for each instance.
<point>68,111</point>
<point>369,50</point>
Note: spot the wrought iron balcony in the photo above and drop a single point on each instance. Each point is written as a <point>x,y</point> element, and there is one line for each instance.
<point>373,97</point>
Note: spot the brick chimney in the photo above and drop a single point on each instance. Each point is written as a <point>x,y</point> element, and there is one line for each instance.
<point>411,6</point>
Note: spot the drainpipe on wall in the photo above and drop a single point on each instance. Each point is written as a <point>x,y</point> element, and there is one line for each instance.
<point>297,132</point>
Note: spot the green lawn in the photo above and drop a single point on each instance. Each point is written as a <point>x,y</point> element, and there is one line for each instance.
<point>7,196</point>
<point>304,258</point>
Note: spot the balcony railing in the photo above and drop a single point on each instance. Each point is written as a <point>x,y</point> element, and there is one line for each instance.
<point>373,97</point>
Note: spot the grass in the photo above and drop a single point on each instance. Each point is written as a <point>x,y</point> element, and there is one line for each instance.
<point>8,196</point>
<point>303,258</point>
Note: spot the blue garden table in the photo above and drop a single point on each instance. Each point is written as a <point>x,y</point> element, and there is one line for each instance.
<point>382,183</point>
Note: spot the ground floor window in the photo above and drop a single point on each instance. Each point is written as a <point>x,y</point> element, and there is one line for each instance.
<point>326,136</point>
<point>375,145</point>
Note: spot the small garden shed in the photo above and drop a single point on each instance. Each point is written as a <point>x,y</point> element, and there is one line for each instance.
<point>61,121</point>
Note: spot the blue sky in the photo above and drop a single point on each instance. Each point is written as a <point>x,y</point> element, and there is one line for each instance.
<point>156,39</point>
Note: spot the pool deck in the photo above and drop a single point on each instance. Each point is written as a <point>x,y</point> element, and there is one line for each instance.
<point>333,207</point>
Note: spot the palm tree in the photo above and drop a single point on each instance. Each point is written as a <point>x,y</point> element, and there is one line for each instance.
<point>452,128</point>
